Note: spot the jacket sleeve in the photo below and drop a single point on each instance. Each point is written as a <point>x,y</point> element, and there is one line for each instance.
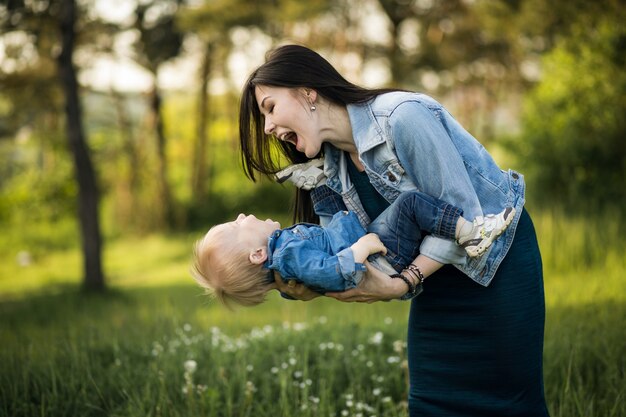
<point>429,157</point>
<point>317,269</point>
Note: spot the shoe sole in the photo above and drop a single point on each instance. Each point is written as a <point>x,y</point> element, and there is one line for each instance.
<point>485,244</point>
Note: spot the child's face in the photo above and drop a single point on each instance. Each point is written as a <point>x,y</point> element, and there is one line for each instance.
<point>248,230</point>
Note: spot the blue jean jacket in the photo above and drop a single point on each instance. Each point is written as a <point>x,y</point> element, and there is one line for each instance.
<point>408,141</point>
<point>319,257</point>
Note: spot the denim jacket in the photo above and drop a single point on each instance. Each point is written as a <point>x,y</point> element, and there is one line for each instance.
<point>320,258</point>
<point>408,141</point>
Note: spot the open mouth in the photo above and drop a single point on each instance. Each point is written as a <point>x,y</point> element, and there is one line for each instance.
<point>290,137</point>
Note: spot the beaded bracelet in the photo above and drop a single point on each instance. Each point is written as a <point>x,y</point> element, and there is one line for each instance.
<point>416,272</point>
<point>412,287</point>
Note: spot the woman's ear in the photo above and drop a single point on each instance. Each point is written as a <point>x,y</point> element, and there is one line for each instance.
<point>310,94</point>
<point>258,256</point>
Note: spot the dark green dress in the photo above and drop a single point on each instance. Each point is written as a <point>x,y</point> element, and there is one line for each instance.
<point>473,350</point>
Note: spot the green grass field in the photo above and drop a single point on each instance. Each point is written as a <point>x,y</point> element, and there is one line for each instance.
<point>154,346</point>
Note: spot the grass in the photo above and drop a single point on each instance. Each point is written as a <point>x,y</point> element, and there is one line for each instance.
<point>132,350</point>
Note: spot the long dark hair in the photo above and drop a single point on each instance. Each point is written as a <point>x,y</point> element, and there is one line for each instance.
<point>291,66</point>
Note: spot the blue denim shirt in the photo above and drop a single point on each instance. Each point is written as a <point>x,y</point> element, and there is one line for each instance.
<point>320,258</point>
<point>408,141</point>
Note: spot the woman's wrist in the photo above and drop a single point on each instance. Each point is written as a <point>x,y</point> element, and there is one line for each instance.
<point>397,287</point>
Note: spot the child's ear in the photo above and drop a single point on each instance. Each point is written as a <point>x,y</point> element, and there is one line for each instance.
<point>258,256</point>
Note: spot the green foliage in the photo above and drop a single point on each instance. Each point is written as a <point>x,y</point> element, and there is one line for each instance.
<point>574,125</point>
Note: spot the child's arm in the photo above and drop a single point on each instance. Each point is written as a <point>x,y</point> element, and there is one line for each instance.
<point>321,270</point>
<point>367,245</point>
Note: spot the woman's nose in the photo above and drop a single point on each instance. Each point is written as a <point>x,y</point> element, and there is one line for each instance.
<point>240,217</point>
<point>269,126</point>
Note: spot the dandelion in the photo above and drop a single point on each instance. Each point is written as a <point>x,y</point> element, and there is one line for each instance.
<point>190,366</point>
<point>376,392</point>
<point>314,400</point>
<point>398,346</point>
<point>386,399</point>
<point>297,374</point>
<point>274,370</point>
<point>393,359</point>
<point>331,345</point>
<point>323,346</point>
<point>308,382</point>
<point>187,327</point>
<point>376,338</point>
<point>388,320</point>
<point>250,388</point>
<point>322,320</point>
<point>369,364</point>
<point>345,412</point>
<point>292,361</point>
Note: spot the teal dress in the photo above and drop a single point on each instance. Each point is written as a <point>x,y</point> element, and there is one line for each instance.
<point>476,351</point>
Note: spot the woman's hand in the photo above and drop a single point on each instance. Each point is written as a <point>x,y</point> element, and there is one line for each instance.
<point>375,286</point>
<point>298,291</point>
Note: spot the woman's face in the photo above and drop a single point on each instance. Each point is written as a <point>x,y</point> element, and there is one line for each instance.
<point>288,116</point>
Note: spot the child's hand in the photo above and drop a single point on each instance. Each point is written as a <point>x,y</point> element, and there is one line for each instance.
<point>367,245</point>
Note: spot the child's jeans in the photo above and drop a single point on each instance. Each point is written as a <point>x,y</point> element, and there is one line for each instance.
<point>403,225</point>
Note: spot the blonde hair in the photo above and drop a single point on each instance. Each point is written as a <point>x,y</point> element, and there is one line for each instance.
<point>222,267</point>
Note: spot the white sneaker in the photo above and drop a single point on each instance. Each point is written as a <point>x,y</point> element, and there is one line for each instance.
<point>484,232</point>
<point>307,175</point>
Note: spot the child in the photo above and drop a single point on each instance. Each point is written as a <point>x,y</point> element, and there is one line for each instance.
<point>236,260</point>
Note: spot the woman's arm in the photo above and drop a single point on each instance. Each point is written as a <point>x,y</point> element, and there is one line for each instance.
<point>378,286</point>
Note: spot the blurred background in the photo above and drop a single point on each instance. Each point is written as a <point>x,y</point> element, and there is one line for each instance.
<point>119,117</point>
<point>119,148</point>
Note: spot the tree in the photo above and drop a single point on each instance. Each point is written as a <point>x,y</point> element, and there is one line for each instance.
<point>159,41</point>
<point>211,22</point>
<point>574,125</point>
<point>85,175</point>
<point>46,27</point>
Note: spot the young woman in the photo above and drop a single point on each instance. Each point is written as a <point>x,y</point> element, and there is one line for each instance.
<point>475,336</point>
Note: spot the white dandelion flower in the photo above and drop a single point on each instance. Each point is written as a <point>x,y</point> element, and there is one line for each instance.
<point>190,366</point>
<point>376,338</point>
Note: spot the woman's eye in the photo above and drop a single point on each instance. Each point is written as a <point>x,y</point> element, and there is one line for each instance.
<point>271,109</point>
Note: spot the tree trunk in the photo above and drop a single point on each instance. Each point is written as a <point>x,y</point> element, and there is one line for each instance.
<point>93,278</point>
<point>165,195</point>
<point>199,167</point>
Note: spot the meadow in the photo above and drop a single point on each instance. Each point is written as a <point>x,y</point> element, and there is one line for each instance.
<point>153,345</point>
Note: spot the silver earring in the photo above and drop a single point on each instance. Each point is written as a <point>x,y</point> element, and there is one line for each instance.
<point>313,108</point>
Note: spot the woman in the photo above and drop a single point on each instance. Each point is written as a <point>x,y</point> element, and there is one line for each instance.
<point>475,336</point>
